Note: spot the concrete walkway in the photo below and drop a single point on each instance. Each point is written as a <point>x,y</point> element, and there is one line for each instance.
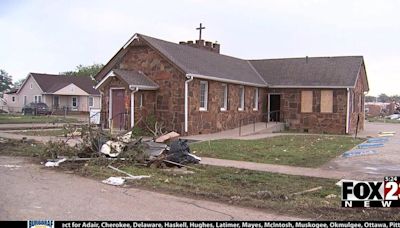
<point>43,139</point>
<point>250,131</point>
<point>283,169</point>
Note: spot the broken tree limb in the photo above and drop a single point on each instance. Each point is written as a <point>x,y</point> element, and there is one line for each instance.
<point>130,176</point>
<point>306,191</point>
<point>178,164</point>
<point>118,170</point>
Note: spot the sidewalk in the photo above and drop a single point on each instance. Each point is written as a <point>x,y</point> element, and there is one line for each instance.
<point>282,169</point>
<point>250,131</point>
<point>43,139</point>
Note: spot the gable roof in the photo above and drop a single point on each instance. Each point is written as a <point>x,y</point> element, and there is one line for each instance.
<point>50,83</point>
<point>339,71</point>
<point>136,79</point>
<point>328,72</point>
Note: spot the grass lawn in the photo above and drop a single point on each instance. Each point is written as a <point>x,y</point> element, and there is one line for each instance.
<point>15,119</point>
<point>266,191</point>
<point>295,150</point>
<point>55,132</point>
<point>382,120</point>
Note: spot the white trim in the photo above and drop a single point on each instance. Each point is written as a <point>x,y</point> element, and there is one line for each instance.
<point>134,37</point>
<point>110,74</point>
<point>225,80</point>
<point>225,97</point>
<point>205,107</point>
<point>241,99</point>
<point>76,102</point>
<point>255,99</point>
<point>309,87</point>
<point>142,87</point>
<point>187,102</point>
<point>347,111</point>
<point>133,107</point>
<point>110,104</point>
<point>141,101</point>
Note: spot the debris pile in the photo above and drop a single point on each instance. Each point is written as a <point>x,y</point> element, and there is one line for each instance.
<point>166,150</point>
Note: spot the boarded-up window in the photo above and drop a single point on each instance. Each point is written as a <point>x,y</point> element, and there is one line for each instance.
<point>306,101</point>
<point>327,101</point>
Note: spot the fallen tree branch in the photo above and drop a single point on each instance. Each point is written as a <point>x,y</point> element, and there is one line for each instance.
<point>306,191</point>
<point>178,164</point>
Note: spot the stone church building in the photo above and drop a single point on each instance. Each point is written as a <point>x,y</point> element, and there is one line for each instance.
<point>193,89</point>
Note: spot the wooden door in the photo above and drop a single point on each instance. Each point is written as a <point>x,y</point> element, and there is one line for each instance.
<point>118,109</point>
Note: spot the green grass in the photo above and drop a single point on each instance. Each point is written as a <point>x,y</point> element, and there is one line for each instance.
<point>55,132</point>
<point>10,147</point>
<point>244,187</point>
<point>15,119</point>
<point>294,150</point>
<point>382,120</point>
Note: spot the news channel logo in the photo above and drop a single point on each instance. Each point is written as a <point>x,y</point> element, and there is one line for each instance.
<point>384,193</point>
<point>40,224</point>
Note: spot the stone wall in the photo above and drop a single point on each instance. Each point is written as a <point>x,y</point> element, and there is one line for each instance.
<point>214,120</point>
<point>167,103</point>
<point>314,122</point>
<point>357,99</point>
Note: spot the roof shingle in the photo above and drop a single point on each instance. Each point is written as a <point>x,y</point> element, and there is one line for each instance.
<point>51,83</point>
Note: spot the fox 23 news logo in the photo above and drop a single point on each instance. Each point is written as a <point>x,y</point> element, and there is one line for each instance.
<point>372,193</point>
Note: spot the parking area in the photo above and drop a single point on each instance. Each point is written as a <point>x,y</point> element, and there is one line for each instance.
<point>383,163</point>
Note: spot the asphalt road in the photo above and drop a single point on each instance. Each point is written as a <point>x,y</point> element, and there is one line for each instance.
<point>28,191</point>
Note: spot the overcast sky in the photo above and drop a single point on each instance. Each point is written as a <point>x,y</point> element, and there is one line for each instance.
<point>54,36</point>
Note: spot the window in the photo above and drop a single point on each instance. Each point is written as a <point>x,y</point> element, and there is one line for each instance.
<point>141,101</point>
<point>38,99</point>
<point>25,100</point>
<point>13,99</point>
<point>241,97</point>
<point>224,97</point>
<point>31,86</point>
<point>327,101</point>
<point>203,95</point>
<point>255,99</point>
<point>90,101</point>
<point>306,101</point>
<point>74,102</point>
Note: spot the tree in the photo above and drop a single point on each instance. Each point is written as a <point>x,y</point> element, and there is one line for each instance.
<point>383,98</point>
<point>5,81</point>
<point>19,83</point>
<point>370,98</point>
<point>82,70</point>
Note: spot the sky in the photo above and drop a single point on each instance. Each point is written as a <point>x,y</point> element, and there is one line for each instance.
<point>53,36</point>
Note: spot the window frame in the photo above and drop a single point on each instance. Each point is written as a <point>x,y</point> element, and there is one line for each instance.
<point>255,99</point>
<point>13,99</point>
<point>92,99</point>
<point>205,96</point>
<point>241,98</point>
<point>225,97</point>
<point>141,101</point>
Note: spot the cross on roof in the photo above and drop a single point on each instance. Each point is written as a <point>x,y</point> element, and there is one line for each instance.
<point>200,28</point>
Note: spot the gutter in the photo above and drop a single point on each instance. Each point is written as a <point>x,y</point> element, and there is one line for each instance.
<point>134,90</point>
<point>225,80</point>
<point>190,78</point>
<point>347,111</point>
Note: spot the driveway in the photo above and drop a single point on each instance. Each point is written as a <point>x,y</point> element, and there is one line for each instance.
<point>385,162</point>
<point>28,191</point>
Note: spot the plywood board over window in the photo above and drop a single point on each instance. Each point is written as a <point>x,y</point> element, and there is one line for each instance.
<point>306,101</point>
<point>327,101</point>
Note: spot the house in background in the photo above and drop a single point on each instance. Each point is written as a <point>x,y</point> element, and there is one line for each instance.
<point>59,92</point>
<point>193,89</point>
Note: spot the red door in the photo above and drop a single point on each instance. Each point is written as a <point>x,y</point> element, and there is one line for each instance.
<point>118,109</point>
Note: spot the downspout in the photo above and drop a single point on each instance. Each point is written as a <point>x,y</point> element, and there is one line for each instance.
<point>347,111</point>
<point>190,78</point>
<point>135,89</point>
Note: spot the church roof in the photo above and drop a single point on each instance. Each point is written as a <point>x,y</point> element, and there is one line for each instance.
<point>136,79</point>
<point>335,72</point>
